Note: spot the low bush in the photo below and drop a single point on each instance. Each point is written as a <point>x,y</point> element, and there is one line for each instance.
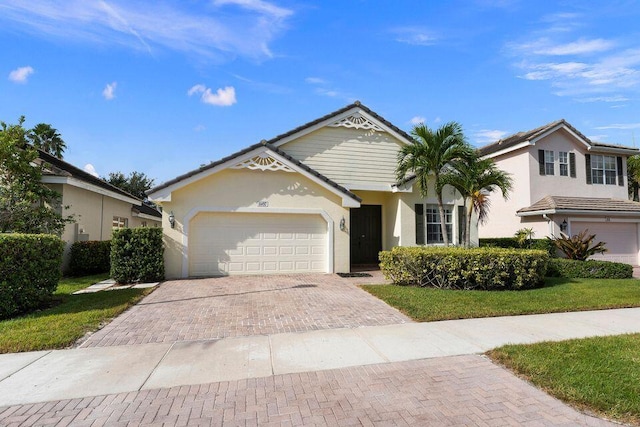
<point>29,271</point>
<point>512,243</point>
<point>591,269</point>
<point>457,268</point>
<point>90,257</point>
<point>137,255</point>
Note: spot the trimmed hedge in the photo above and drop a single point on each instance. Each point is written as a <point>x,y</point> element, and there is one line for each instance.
<point>512,243</point>
<point>457,268</point>
<point>90,257</point>
<point>590,269</point>
<point>137,255</point>
<point>29,271</point>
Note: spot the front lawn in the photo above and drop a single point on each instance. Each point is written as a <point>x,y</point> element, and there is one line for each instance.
<point>600,375</point>
<point>558,295</point>
<point>70,317</point>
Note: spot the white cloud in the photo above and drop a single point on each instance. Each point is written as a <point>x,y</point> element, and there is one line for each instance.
<point>21,74</point>
<point>223,97</point>
<point>437,120</point>
<point>614,98</point>
<point>596,138</point>
<point>486,136</point>
<point>90,169</point>
<point>417,120</point>
<point>414,36</point>
<point>620,126</point>
<point>199,128</point>
<point>315,80</point>
<point>109,92</point>
<point>219,30</point>
<point>546,46</point>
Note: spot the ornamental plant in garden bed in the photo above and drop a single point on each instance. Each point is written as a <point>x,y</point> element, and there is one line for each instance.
<point>591,269</point>
<point>457,268</point>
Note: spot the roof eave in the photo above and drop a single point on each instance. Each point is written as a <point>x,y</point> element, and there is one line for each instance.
<point>577,212</point>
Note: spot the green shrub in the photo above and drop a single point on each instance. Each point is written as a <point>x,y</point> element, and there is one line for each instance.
<point>591,269</point>
<point>90,257</point>
<point>457,268</point>
<point>29,271</point>
<point>137,255</point>
<point>545,244</point>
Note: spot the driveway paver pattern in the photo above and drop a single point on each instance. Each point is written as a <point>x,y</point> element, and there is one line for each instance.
<point>461,390</point>
<point>204,309</point>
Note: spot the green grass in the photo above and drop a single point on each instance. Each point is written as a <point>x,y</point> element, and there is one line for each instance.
<point>69,318</point>
<point>558,295</point>
<point>599,375</point>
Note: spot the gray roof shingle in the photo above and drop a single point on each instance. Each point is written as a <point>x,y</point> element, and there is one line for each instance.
<point>561,203</point>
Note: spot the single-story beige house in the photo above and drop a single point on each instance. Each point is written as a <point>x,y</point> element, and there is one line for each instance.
<point>565,183</point>
<point>97,206</point>
<point>322,197</point>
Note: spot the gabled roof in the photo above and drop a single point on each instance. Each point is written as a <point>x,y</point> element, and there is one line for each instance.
<point>357,104</point>
<point>564,204</point>
<point>59,168</point>
<point>205,170</point>
<point>514,141</point>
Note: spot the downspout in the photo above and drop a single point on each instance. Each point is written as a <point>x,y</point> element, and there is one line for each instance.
<point>102,218</point>
<point>550,224</point>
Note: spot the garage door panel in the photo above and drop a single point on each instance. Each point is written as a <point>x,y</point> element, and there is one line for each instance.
<point>239,243</point>
<point>621,239</point>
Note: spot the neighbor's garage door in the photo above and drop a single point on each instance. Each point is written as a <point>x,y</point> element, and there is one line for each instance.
<point>246,243</point>
<point>621,239</point>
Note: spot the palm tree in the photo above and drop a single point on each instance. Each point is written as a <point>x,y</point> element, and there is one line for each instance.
<point>430,154</point>
<point>46,138</point>
<point>476,179</point>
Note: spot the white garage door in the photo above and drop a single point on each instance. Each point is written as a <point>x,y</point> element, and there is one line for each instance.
<point>247,243</point>
<point>621,239</point>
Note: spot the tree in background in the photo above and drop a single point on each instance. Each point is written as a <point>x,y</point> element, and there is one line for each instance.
<point>26,204</point>
<point>431,153</point>
<point>136,184</point>
<point>476,179</point>
<point>633,177</point>
<point>46,138</point>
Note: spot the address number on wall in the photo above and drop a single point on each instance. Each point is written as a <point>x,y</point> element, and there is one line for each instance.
<point>263,204</point>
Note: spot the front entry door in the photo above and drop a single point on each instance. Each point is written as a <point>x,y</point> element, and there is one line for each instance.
<point>366,234</point>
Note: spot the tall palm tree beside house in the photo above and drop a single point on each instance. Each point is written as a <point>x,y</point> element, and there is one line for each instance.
<point>46,138</point>
<point>431,153</point>
<point>476,179</point>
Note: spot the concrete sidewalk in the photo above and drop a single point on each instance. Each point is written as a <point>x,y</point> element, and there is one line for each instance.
<point>84,372</point>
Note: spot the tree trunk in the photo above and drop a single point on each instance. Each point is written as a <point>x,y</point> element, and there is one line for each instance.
<point>468,231</point>
<point>443,224</point>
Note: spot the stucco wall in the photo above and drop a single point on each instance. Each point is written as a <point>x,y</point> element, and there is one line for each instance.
<point>245,189</point>
<point>348,156</point>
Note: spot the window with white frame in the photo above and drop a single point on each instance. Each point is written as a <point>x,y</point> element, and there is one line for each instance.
<point>428,228</point>
<point>548,162</point>
<point>603,169</point>
<point>563,162</point>
<point>120,222</point>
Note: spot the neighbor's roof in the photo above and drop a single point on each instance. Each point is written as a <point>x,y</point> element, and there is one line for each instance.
<point>563,203</point>
<point>61,168</point>
<point>520,137</point>
<point>148,210</point>
<point>251,148</point>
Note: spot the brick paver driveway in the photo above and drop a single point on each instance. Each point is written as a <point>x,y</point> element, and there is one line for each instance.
<point>247,305</point>
<point>451,391</point>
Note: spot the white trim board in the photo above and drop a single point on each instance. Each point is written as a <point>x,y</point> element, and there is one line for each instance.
<point>49,179</point>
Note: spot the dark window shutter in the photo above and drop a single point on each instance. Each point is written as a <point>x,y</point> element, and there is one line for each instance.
<point>541,161</point>
<point>620,174</point>
<point>419,224</point>
<point>587,160</point>
<point>572,165</point>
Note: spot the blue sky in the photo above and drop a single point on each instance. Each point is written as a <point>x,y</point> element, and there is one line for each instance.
<point>163,87</point>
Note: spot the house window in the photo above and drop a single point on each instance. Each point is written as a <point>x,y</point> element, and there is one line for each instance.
<point>120,222</point>
<point>428,224</point>
<point>603,169</point>
<point>563,161</point>
<point>548,162</point>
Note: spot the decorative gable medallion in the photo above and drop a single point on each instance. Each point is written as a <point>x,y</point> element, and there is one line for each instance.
<point>357,121</point>
<point>263,162</point>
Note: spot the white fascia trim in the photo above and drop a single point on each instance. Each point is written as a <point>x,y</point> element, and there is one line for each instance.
<point>508,150</point>
<point>48,179</point>
<point>562,126</point>
<point>578,212</point>
<point>145,216</point>
<point>339,117</point>
<point>164,195</point>
<point>401,189</point>
<point>224,209</point>
<point>369,187</point>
